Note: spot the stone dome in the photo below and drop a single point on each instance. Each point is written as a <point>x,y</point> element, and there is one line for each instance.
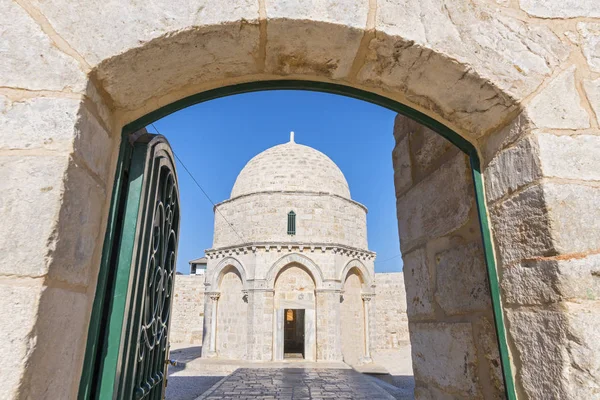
<point>291,167</point>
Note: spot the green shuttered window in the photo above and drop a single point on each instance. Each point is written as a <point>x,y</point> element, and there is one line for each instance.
<point>291,223</point>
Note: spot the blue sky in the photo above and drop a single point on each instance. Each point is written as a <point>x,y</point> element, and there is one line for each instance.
<point>217,138</point>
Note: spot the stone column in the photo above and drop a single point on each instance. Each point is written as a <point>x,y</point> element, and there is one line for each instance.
<point>329,343</point>
<point>366,297</point>
<point>212,350</point>
<point>260,324</point>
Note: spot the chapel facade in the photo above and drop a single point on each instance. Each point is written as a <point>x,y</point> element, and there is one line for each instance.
<point>290,274</point>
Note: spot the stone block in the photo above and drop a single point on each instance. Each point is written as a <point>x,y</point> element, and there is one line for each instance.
<point>31,60</point>
<point>29,206</point>
<point>512,169</point>
<point>575,216</point>
<point>496,141</point>
<point>297,47</point>
<point>59,343</point>
<point>402,166</point>
<point>592,89</point>
<point>549,280</point>
<point>521,57</point>
<point>583,347</point>
<point>590,43</point>
<point>128,25</point>
<point>19,305</point>
<point>38,123</point>
<point>462,286</point>
<point>557,350</point>
<point>419,293</point>
<point>200,56</point>
<point>561,8</point>
<point>521,227</point>
<point>428,150</point>
<point>486,341</point>
<point>342,12</point>
<point>569,157</point>
<point>559,105</point>
<point>77,237</point>
<point>437,205</point>
<point>93,144</point>
<point>444,355</point>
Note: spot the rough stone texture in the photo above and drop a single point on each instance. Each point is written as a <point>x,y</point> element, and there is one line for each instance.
<point>31,60</point>
<point>450,360</point>
<point>523,158</point>
<point>549,280</point>
<point>425,212</point>
<point>561,9</point>
<point>592,88</point>
<point>419,293</point>
<point>590,38</point>
<point>296,47</point>
<point>188,310</point>
<point>567,363</point>
<point>454,345</point>
<point>391,320</point>
<point>467,262</point>
<point>559,105</point>
<point>399,57</point>
<point>521,226</point>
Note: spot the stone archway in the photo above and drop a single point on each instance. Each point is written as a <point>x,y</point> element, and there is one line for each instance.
<point>295,289</point>
<point>519,100</point>
<point>353,318</point>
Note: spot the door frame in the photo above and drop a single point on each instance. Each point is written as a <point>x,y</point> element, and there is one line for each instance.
<point>348,91</point>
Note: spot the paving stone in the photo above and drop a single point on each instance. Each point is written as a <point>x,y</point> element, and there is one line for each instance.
<point>295,384</point>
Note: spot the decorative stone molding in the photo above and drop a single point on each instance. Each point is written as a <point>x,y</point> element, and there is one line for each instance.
<point>367,296</point>
<point>334,248</point>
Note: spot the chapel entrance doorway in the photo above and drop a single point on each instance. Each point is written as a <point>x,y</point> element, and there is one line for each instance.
<point>293,336</point>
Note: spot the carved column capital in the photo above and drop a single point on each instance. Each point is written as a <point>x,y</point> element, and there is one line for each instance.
<point>367,296</point>
<point>214,296</point>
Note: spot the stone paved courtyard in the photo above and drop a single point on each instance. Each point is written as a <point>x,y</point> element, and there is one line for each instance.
<point>217,379</point>
<point>296,383</point>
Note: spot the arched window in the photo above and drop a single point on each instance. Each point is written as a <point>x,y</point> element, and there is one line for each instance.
<point>291,223</point>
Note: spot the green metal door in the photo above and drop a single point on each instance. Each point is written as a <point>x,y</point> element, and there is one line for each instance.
<point>128,337</point>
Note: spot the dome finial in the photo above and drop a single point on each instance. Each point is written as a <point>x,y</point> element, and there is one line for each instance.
<point>292,137</point>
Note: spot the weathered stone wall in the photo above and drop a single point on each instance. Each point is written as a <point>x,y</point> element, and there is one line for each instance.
<point>232,318</point>
<point>391,321</point>
<point>448,301</point>
<point>188,310</point>
<point>320,218</point>
<point>352,318</point>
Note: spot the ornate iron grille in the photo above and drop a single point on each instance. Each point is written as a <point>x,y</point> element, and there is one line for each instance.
<point>291,225</point>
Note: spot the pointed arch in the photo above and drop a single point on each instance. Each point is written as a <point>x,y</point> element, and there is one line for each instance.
<point>223,267</point>
<point>356,264</point>
<point>295,258</point>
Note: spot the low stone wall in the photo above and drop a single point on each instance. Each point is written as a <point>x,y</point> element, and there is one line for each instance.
<point>391,320</point>
<point>188,310</point>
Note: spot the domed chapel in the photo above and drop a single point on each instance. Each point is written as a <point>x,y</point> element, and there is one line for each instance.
<point>290,275</point>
